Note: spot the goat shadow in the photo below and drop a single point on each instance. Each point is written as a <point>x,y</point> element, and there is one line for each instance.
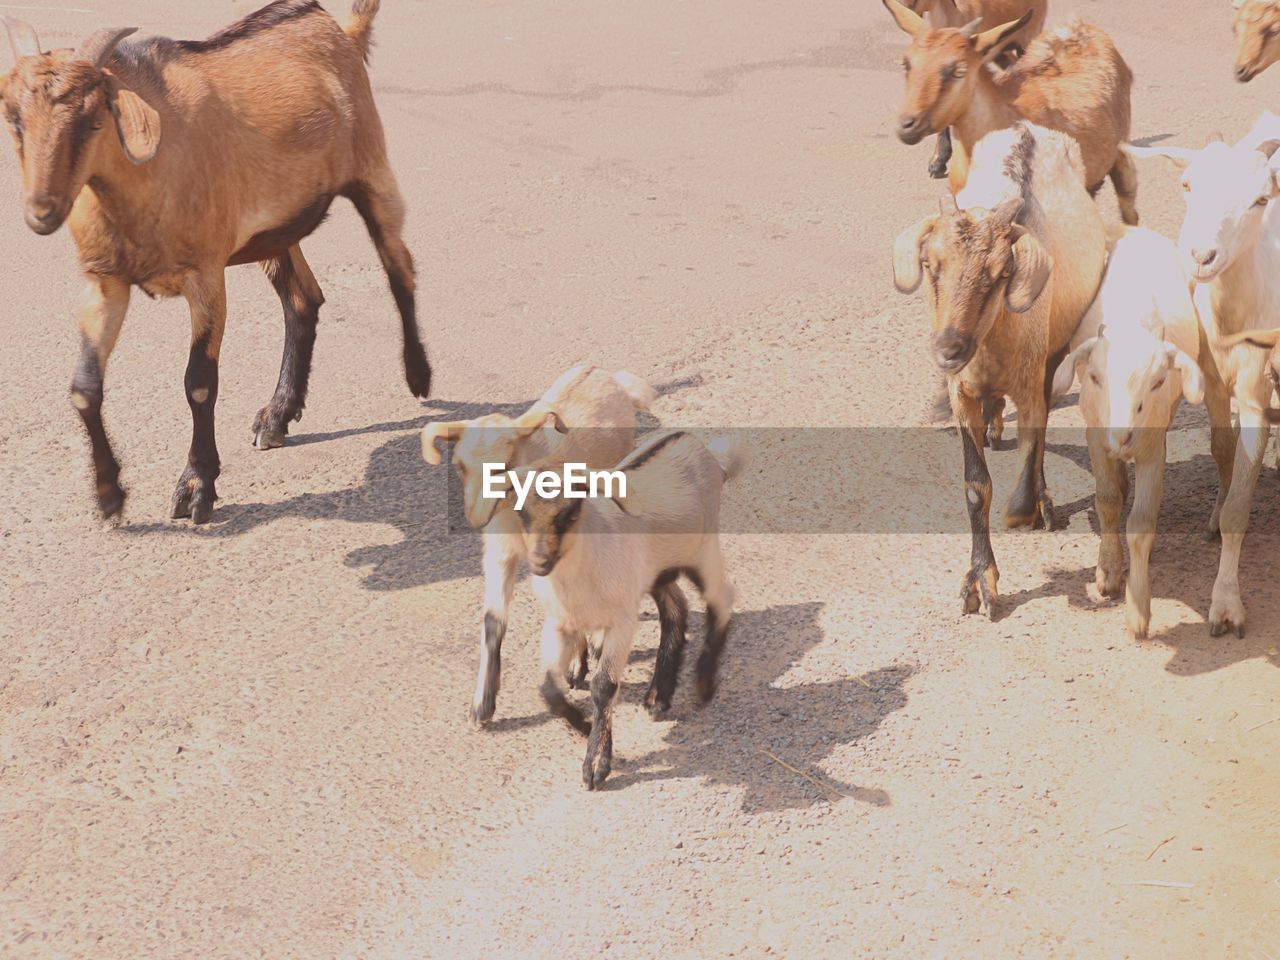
<point>399,490</point>
<point>801,724</point>
<point>1184,563</point>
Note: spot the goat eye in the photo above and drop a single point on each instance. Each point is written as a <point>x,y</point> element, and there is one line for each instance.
<point>1094,378</point>
<point>1262,201</point>
<point>1273,30</point>
<point>959,70</point>
<point>1157,385</point>
<point>1140,408</point>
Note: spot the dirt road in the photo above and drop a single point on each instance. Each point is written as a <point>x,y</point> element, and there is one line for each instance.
<point>250,739</point>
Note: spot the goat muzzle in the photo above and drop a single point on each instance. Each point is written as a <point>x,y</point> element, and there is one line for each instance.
<point>911,130</point>
<point>952,350</point>
<point>44,215</point>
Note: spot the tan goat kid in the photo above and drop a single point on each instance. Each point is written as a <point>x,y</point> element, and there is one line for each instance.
<point>1072,79</point>
<point>1009,274</point>
<point>172,160</point>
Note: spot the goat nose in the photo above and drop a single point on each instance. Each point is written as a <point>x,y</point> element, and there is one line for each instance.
<point>1204,257</point>
<point>911,129</point>
<point>42,214</point>
<point>1243,73</point>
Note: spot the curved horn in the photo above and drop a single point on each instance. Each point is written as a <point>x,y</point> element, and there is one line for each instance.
<point>22,38</point>
<point>971,28</point>
<point>99,45</point>
<point>447,431</point>
<point>1268,148</point>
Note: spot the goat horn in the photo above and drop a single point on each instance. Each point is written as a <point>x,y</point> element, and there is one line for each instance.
<point>971,28</point>
<point>22,38</point>
<point>1008,210</point>
<point>100,44</point>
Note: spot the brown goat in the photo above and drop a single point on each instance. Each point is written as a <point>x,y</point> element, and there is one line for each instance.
<point>958,13</point>
<point>1256,25</point>
<point>224,151</point>
<point>1009,274</point>
<point>1072,79</point>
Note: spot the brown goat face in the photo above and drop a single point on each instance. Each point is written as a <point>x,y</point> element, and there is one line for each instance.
<point>938,69</point>
<point>974,264</point>
<point>1257,30</point>
<point>55,110</point>
<point>545,524</point>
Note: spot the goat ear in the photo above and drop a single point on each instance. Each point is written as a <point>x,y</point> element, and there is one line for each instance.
<point>1266,339</point>
<point>1179,156</point>
<point>633,503</point>
<point>906,255</point>
<point>907,19</point>
<point>989,43</point>
<point>137,125</point>
<point>1031,268</point>
<point>440,430</point>
<point>22,38</point>
<point>1065,375</point>
<point>1192,378</point>
<point>536,417</point>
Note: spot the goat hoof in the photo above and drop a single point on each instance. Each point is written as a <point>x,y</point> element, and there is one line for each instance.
<point>194,498</point>
<point>265,439</point>
<point>111,501</point>
<point>594,772</point>
<point>979,592</point>
<point>1109,584</point>
<point>1226,612</point>
<point>938,170</point>
<point>479,714</point>
<point>658,709</point>
<point>417,371</point>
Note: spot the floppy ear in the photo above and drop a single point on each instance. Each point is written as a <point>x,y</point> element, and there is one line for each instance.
<point>633,503</point>
<point>1065,375</point>
<point>1192,378</point>
<point>1265,339</point>
<point>536,417</point>
<point>1180,156</point>
<point>989,43</point>
<point>440,430</point>
<point>906,255</point>
<point>1031,268</point>
<point>907,19</point>
<point>137,125</point>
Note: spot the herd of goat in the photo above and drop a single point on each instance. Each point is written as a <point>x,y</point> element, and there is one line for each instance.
<point>208,164</point>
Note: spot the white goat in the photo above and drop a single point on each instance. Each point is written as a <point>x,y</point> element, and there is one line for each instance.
<point>600,408</point>
<point>1132,375</point>
<point>1231,244</point>
<point>593,560</point>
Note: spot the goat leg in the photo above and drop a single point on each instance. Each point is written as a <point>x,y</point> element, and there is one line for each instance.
<point>941,155</point>
<point>979,589</point>
<point>673,617</point>
<point>195,494</point>
<point>102,313</point>
<point>301,298</point>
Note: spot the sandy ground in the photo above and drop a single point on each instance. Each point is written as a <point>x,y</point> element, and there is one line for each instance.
<point>250,739</point>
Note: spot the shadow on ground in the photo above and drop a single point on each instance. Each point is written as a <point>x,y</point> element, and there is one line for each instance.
<point>399,490</point>
<point>800,725</point>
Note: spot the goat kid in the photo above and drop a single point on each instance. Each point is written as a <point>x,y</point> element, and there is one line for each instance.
<point>1230,246</point>
<point>1134,361</point>
<point>594,560</point>
<point>1071,79</point>
<point>601,409</point>
<point>222,151</point>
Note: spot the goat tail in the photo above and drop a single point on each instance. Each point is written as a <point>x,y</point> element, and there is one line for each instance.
<point>640,392</point>
<point>360,27</point>
<point>728,453</point>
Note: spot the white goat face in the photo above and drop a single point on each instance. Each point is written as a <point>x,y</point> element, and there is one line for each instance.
<point>1131,389</point>
<point>1228,192</point>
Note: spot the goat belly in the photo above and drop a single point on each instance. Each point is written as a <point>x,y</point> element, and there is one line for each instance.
<point>271,243</point>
